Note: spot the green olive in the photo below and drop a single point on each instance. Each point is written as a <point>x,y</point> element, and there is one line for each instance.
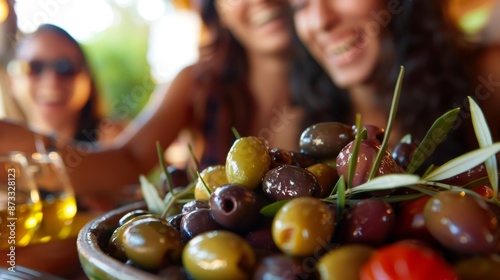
<point>152,243</point>
<point>218,255</point>
<point>115,244</point>
<point>214,176</point>
<point>332,265</point>
<point>247,161</point>
<point>326,139</point>
<point>327,178</point>
<point>302,226</point>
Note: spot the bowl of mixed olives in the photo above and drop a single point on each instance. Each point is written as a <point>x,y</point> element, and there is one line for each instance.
<point>342,207</point>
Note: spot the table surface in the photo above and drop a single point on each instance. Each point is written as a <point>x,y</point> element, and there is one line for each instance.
<point>58,258</point>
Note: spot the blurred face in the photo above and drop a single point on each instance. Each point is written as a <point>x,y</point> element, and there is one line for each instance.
<point>50,84</point>
<point>344,35</point>
<point>259,25</point>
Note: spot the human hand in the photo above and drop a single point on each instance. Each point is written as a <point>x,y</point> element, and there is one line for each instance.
<point>15,136</point>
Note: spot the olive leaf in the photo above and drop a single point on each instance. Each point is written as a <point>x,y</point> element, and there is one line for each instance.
<point>389,181</point>
<point>484,139</point>
<point>353,160</point>
<point>462,163</point>
<point>151,196</point>
<point>271,209</point>
<point>341,192</point>
<point>390,121</point>
<point>159,151</point>
<point>435,135</point>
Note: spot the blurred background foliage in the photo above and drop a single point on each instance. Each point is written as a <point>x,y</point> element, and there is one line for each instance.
<point>118,56</point>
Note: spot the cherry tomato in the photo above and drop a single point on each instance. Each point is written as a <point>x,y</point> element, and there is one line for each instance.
<point>406,260</point>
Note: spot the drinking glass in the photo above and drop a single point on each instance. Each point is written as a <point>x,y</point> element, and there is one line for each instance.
<point>20,205</point>
<point>57,196</point>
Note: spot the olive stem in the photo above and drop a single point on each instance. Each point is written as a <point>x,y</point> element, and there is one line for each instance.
<point>159,150</point>
<point>392,116</point>
<point>209,193</point>
<point>453,188</point>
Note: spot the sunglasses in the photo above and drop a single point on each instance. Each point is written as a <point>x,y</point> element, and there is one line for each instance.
<point>35,68</point>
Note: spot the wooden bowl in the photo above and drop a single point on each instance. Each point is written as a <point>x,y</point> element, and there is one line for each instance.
<point>94,236</point>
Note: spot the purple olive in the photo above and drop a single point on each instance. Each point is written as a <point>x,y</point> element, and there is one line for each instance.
<point>289,181</point>
<point>197,222</point>
<point>235,207</point>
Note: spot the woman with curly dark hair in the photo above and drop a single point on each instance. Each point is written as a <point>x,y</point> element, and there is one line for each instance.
<point>360,46</point>
<point>240,81</point>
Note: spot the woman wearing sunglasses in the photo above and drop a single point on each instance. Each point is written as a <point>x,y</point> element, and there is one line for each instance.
<point>52,83</point>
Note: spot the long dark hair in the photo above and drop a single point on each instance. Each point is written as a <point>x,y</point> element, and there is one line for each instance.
<point>91,113</point>
<point>428,45</point>
<point>222,73</point>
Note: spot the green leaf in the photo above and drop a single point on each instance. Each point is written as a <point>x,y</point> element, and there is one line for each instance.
<point>341,199</point>
<point>438,131</point>
<point>388,128</point>
<point>463,163</point>
<point>271,209</point>
<point>406,139</point>
<point>484,139</point>
<point>151,196</point>
<point>389,181</point>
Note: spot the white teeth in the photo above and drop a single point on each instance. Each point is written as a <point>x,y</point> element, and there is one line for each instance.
<point>344,47</point>
<point>265,16</point>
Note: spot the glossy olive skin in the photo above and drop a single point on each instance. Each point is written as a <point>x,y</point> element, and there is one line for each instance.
<point>279,157</point>
<point>366,158</point>
<point>213,176</point>
<point>462,222</point>
<point>410,222</point>
<point>326,139</point>
<point>115,244</point>
<point>218,255</point>
<point>303,226</point>
<point>402,153</point>
<point>179,178</point>
<point>332,265</point>
<point>327,178</point>
<point>247,161</point>
<point>194,205</point>
<point>235,207</point>
<point>130,215</point>
<point>281,266</point>
<point>374,133</point>
<point>196,222</point>
<point>152,243</point>
<point>368,222</point>
<point>289,181</point>
<point>302,160</point>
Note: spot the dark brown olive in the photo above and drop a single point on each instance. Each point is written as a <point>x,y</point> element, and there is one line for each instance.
<point>369,222</point>
<point>195,204</point>
<point>462,222</point>
<point>175,221</point>
<point>196,222</point>
<point>368,151</point>
<point>326,139</point>
<point>281,266</point>
<point>403,152</point>
<point>302,160</point>
<point>235,207</point>
<point>178,176</point>
<point>279,157</point>
<point>327,178</point>
<point>289,181</point>
<point>262,238</point>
